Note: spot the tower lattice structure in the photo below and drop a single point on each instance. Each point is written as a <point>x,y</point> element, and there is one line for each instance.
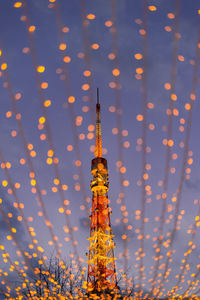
<point>101,264</point>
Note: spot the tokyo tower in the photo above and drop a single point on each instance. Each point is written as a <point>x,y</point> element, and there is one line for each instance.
<point>101,278</point>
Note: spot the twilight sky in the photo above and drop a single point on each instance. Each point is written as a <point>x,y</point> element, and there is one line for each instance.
<point>81,46</point>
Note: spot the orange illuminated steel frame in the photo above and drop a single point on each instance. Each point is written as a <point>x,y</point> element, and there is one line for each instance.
<point>101,264</point>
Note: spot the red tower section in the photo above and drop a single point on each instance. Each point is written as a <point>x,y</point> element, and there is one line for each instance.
<point>101,263</point>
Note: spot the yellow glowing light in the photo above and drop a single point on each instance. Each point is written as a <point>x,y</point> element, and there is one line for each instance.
<point>175,112</point>
<point>174,199</point>
<point>67,59</point>
<point>123,170</point>
<point>42,120</point>
<point>82,136</point>
<point>40,249</point>
<point>18,96</point>
<point>64,187</point>
<point>3,66</point>
<point>31,28</point>
<point>111,56</point>
<point>108,23</point>
<point>124,237</point>
<point>91,17</point>
<point>91,127</point>
<point>116,72</point>
<point>171,16</point>
<point>69,147</point>
<point>22,161</point>
<point>43,137</point>
<point>139,70</point>
<point>190,161</point>
<point>142,31</point>
<point>30,146</point>
<point>95,46</point>
<point>139,118</point>
<point>50,153</point>
<point>90,136</point>
<point>65,29</point>
<point>115,130</point>
<point>4,183</point>
<point>40,69</point>
<point>49,161</point>
<point>62,46</point>
<point>112,85</point>
<point>47,103</point>
<point>167,86</point>
<point>56,181</point>
<point>170,143</point>
<point>17,4</point>
<point>71,99</point>
<point>33,153</point>
<point>138,56</point>
<point>78,163</point>
<point>181,58</point>
<point>87,73</point>
<point>17,185</point>
<point>66,202</point>
<point>33,182</point>
<point>187,106</point>
<point>8,114</point>
<point>152,8</point>
<point>44,85</point>
<point>85,87</point>
<point>126,183</point>
<point>8,165</point>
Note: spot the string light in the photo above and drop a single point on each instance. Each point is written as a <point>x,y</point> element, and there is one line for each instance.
<point>45,175</point>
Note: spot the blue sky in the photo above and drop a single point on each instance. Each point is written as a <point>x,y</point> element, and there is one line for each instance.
<point>159,64</point>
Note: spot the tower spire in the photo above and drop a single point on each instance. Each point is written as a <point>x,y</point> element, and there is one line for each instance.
<point>98,150</point>
<point>97,95</point>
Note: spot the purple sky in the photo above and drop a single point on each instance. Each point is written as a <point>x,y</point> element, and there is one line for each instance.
<point>46,40</point>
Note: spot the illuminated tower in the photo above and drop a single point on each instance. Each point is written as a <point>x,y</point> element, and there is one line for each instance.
<point>101,264</point>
